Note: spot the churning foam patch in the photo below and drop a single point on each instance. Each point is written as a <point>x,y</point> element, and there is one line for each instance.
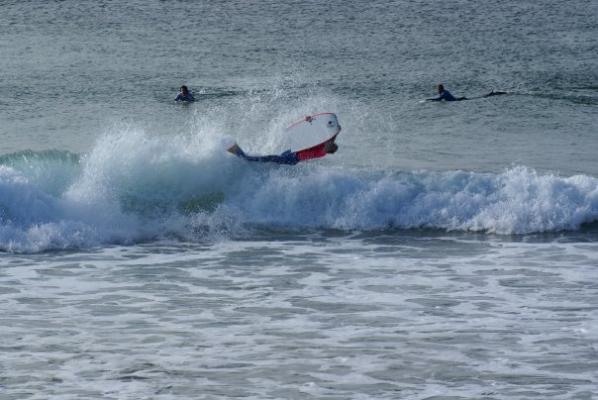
<point>136,187</point>
<point>517,201</point>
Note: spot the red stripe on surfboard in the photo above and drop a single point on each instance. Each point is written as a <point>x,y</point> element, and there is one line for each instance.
<point>320,144</point>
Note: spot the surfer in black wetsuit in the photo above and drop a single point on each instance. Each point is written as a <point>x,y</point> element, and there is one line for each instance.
<point>185,95</point>
<point>445,95</point>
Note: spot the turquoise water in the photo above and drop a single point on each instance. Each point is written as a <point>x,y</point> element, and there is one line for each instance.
<point>447,250</point>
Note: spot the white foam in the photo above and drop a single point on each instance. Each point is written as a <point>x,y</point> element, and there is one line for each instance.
<point>515,201</point>
<point>135,187</point>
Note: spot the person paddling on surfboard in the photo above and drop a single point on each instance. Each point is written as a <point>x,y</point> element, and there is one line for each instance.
<point>185,95</point>
<point>290,157</point>
<point>445,95</point>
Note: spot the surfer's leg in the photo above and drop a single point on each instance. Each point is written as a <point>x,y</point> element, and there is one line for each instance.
<point>274,159</point>
<point>257,158</point>
<point>285,158</point>
<point>290,158</point>
<point>265,159</point>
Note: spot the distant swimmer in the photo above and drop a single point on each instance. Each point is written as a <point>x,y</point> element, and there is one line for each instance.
<point>185,95</point>
<point>445,95</point>
<point>290,157</point>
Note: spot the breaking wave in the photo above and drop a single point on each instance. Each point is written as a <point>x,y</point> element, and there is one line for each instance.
<point>133,187</point>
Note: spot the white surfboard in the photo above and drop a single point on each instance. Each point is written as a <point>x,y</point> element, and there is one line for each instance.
<point>310,131</point>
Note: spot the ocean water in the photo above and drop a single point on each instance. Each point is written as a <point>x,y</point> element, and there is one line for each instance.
<point>446,251</point>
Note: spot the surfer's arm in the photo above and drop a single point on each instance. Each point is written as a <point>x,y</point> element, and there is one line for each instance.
<point>442,96</point>
<point>446,96</point>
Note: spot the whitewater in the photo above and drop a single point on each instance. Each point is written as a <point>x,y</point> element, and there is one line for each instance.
<point>134,188</point>
<point>445,251</point>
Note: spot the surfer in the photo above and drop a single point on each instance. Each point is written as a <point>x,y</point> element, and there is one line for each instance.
<point>290,157</point>
<point>184,95</point>
<point>445,95</point>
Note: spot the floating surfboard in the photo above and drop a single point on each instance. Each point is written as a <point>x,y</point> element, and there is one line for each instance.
<point>310,131</point>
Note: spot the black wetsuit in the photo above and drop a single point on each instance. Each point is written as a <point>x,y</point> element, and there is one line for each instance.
<point>288,157</point>
<point>447,96</point>
<point>185,97</point>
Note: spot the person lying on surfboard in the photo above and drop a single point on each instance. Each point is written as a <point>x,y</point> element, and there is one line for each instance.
<point>290,157</point>
<point>445,95</point>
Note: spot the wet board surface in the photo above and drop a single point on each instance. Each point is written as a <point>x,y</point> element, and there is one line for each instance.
<point>310,131</point>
